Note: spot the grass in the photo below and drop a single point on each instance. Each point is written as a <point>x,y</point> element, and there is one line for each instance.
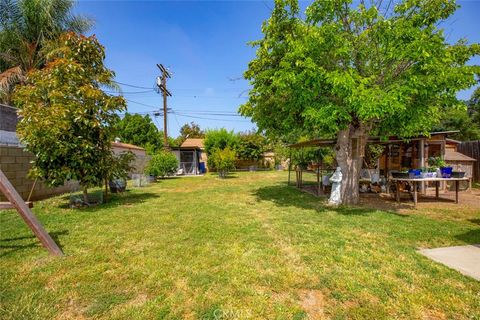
<point>248,247</point>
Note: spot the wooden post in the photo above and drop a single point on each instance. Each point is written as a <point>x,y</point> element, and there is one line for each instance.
<point>415,195</point>
<point>398,191</point>
<point>456,190</point>
<point>289,166</point>
<point>422,162</point>
<point>436,189</point>
<point>27,215</point>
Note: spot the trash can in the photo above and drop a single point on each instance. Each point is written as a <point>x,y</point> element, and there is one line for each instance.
<point>201,167</point>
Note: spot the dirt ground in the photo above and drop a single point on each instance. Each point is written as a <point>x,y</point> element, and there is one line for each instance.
<point>469,202</point>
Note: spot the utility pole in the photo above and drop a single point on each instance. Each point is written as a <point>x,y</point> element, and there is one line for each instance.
<point>162,87</point>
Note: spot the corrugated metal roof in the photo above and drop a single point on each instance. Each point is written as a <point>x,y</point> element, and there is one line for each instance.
<point>193,143</point>
<point>392,139</point>
<point>451,155</point>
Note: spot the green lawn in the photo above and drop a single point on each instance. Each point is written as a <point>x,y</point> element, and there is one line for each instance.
<point>248,247</point>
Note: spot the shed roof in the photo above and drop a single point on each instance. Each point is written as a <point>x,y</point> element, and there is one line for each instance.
<point>193,143</point>
<point>377,140</point>
<point>126,146</point>
<point>451,155</point>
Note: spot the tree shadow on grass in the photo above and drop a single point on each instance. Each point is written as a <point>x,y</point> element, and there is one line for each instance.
<point>114,200</point>
<point>476,221</point>
<point>11,245</point>
<point>283,195</point>
<point>470,237</point>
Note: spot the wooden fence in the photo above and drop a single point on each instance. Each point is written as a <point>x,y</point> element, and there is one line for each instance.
<point>472,149</point>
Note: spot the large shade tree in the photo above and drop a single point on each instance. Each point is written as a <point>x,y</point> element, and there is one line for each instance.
<point>351,72</point>
<point>26,26</point>
<point>466,122</point>
<point>141,131</point>
<point>66,116</point>
<point>190,130</point>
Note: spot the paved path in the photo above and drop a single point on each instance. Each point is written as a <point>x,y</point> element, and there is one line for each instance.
<point>465,259</point>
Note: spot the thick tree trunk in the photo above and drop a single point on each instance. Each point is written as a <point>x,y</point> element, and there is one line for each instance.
<point>350,158</point>
<point>85,195</point>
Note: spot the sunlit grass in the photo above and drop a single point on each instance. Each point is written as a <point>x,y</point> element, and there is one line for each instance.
<point>239,248</point>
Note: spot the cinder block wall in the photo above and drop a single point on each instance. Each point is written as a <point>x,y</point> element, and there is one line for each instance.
<point>15,163</point>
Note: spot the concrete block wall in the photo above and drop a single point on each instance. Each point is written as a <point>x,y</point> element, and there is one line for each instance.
<point>15,163</point>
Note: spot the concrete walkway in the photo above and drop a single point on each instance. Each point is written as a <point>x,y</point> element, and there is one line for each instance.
<point>465,259</point>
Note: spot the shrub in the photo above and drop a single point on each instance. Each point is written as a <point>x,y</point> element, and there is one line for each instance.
<point>251,146</point>
<point>436,162</point>
<point>220,139</point>
<point>162,164</point>
<point>223,160</point>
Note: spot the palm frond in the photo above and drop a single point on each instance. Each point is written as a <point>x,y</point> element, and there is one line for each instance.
<point>11,77</point>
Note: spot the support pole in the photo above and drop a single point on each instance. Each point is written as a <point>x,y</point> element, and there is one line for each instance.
<point>289,166</point>
<point>162,86</point>
<point>422,162</point>
<point>27,215</point>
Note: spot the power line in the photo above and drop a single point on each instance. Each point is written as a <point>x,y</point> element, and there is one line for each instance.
<point>211,114</point>
<point>196,117</point>
<point>132,86</point>
<point>130,92</point>
<point>142,104</point>
<point>210,97</point>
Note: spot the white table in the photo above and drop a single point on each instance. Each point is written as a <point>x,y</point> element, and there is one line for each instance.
<point>436,180</point>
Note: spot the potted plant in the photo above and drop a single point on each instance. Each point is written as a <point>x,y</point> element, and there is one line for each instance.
<point>414,173</point>
<point>119,169</point>
<point>424,172</point>
<point>403,173</point>
<point>437,162</point>
<point>428,172</point>
<point>432,172</point>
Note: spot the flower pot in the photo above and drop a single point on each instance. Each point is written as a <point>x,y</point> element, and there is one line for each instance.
<point>446,172</point>
<point>117,185</point>
<point>401,175</point>
<point>414,173</point>
<point>458,174</point>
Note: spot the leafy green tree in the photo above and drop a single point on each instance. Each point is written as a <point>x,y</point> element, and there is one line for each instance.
<point>465,118</point>
<point>26,26</point>
<point>66,117</point>
<point>223,160</point>
<point>474,107</point>
<point>162,164</point>
<point>356,71</point>
<point>190,130</point>
<point>251,146</point>
<point>459,119</point>
<point>220,139</point>
<point>141,131</point>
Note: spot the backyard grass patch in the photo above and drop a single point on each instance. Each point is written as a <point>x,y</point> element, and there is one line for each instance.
<point>249,247</point>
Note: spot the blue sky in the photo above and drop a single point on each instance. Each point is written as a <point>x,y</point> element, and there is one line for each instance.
<point>204,44</point>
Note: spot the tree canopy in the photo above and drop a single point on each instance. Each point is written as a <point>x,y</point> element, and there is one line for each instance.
<point>141,131</point>
<point>190,130</point>
<point>354,71</point>
<point>26,27</point>
<point>465,120</point>
<point>66,117</point>
<point>220,139</point>
<point>251,145</point>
